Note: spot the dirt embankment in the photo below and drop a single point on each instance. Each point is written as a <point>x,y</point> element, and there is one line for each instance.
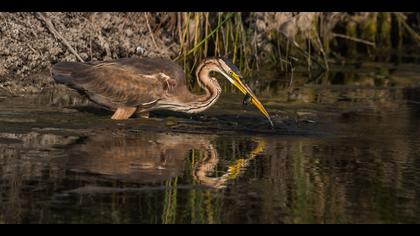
<point>29,46</point>
<point>31,42</point>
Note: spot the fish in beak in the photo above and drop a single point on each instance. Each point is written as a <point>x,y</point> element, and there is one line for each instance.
<point>247,100</point>
<point>250,97</point>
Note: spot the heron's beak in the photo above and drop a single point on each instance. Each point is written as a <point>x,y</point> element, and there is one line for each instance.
<point>236,80</point>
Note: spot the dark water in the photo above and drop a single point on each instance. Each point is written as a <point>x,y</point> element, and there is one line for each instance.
<point>345,150</point>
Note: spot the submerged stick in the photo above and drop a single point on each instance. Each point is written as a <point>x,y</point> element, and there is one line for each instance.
<point>56,34</point>
<point>7,90</point>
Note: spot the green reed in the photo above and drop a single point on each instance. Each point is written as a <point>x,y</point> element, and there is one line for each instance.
<point>230,34</point>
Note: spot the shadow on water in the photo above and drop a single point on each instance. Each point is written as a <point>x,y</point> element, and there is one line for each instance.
<point>348,154</point>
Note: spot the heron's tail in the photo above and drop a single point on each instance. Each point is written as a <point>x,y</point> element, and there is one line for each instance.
<point>63,72</point>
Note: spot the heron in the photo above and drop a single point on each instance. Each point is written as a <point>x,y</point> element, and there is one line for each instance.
<point>140,85</point>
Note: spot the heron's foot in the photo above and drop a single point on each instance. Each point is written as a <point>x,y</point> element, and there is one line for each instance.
<point>123,113</point>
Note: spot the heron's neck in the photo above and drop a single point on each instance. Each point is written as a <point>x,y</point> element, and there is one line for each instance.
<point>185,101</point>
<point>193,103</point>
<point>212,89</point>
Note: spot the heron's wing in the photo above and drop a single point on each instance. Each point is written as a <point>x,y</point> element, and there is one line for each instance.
<point>155,66</point>
<point>112,84</point>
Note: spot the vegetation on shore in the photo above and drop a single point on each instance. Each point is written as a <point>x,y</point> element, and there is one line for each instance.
<point>32,42</point>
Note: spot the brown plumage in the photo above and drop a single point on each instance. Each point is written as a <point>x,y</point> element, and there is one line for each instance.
<point>127,84</point>
<point>141,85</point>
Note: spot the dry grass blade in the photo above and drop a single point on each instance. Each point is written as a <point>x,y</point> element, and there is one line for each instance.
<point>353,39</point>
<point>56,34</point>
<point>150,30</point>
<point>196,46</point>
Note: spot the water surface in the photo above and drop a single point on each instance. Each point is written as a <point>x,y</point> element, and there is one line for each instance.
<point>345,150</point>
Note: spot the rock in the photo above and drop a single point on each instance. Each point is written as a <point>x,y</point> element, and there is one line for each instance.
<point>304,113</point>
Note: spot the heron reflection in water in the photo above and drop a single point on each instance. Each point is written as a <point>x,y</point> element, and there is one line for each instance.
<point>154,158</point>
<point>140,85</point>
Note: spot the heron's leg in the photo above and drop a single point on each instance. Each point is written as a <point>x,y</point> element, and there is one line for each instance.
<point>144,115</point>
<point>123,113</point>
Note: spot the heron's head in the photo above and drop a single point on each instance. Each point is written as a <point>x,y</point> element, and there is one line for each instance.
<point>232,73</point>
